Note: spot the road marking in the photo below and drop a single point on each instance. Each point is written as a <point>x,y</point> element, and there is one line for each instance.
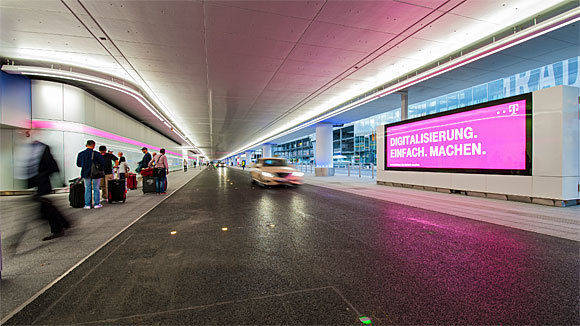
<point>207,305</point>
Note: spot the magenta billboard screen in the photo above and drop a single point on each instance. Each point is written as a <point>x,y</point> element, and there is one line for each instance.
<point>493,137</point>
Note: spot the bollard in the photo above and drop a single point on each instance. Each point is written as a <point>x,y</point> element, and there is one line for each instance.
<point>359,167</point>
<point>348,168</point>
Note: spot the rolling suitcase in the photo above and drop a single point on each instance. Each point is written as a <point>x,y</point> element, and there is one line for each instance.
<point>76,195</point>
<point>116,189</point>
<point>131,181</point>
<point>148,172</point>
<point>148,184</point>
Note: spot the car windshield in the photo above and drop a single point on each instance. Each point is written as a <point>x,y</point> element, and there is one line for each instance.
<point>271,162</point>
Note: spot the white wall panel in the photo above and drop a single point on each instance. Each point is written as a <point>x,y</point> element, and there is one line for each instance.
<point>52,101</point>
<point>89,109</point>
<point>47,100</point>
<point>547,142</point>
<point>73,104</point>
<point>102,116</point>
<point>6,159</point>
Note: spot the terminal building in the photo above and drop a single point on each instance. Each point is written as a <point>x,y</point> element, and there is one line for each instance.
<point>290,162</point>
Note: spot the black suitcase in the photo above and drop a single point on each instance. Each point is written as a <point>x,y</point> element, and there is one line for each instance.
<point>116,190</point>
<point>76,195</point>
<point>148,184</point>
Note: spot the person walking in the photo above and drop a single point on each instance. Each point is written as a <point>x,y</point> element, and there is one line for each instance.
<point>109,159</point>
<point>161,170</point>
<point>91,163</point>
<point>144,163</point>
<point>42,166</point>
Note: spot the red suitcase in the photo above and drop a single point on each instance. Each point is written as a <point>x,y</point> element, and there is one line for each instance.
<point>147,172</point>
<point>131,181</point>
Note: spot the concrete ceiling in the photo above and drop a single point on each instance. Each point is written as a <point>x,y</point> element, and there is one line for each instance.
<point>561,44</point>
<point>226,72</point>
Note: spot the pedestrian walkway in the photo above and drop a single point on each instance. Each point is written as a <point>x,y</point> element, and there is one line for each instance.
<point>563,222</point>
<point>36,264</point>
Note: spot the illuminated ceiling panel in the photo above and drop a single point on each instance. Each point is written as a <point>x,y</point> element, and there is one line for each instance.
<point>228,73</point>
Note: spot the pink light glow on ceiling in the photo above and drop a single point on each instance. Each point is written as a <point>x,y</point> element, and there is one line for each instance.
<point>77,127</point>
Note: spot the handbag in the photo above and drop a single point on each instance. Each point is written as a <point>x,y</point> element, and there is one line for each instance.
<point>96,173</point>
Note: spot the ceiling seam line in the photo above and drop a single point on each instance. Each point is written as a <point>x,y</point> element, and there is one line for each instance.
<point>207,84</point>
<point>127,60</point>
<point>285,59</point>
<point>312,96</point>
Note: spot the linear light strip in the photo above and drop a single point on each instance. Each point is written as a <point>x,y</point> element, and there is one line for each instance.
<point>81,128</point>
<point>515,39</point>
<point>70,75</point>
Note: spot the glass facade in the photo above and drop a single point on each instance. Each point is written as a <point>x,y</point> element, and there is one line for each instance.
<point>356,142</point>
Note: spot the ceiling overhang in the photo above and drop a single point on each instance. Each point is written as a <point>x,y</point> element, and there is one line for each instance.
<point>118,93</point>
<point>414,77</point>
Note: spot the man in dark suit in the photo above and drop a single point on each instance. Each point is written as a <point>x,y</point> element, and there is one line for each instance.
<point>85,161</point>
<point>144,163</point>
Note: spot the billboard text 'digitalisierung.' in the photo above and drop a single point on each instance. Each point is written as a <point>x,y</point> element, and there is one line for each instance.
<point>487,138</point>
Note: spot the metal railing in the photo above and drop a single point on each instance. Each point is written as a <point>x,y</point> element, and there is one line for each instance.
<point>364,170</point>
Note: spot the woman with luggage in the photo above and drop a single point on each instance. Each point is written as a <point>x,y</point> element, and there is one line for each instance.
<point>123,168</point>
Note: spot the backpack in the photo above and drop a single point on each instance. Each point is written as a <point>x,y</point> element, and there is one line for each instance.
<point>96,171</point>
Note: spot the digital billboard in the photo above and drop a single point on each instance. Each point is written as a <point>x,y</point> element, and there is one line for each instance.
<point>493,137</point>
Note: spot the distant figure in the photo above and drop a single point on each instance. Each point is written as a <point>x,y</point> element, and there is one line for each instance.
<point>119,155</point>
<point>144,163</point>
<point>92,164</point>
<point>244,165</point>
<point>108,169</point>
<point>40,166</point>
<point>123,168</point>
<point>184,165</point>
<point>194,164</point>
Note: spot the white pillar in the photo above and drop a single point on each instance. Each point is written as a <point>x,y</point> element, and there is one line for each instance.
<point>324,165</point>
<point>267,150</point>
<point>404,104</point>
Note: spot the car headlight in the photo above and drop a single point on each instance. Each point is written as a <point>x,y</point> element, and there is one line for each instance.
<point>267,174</point>
<point>298,174</point>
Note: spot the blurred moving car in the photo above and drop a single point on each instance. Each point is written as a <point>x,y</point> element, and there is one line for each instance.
<point>275,171</point>
<point>221,165</point>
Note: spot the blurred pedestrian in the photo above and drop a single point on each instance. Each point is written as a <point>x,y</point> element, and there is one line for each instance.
<point>39,166</point>
<point>92,164</point>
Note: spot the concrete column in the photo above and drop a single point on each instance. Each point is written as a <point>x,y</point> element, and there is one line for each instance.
<point>323,155</point>
<point>249,157</point>
<point>267,150</point>
<point>404,104</point>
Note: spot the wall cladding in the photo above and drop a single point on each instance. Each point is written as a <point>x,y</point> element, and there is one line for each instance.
<point>67,112</point>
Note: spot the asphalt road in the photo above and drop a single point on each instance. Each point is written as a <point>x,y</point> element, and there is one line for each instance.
<point>241,254</point>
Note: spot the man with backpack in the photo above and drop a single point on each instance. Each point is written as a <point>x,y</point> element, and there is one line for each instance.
<point>161,168</point>
<point>92,164</point>
<point>109,159</point>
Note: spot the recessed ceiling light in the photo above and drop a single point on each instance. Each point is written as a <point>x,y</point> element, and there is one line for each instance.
<point>224,228</point>
<point>173,232</point>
